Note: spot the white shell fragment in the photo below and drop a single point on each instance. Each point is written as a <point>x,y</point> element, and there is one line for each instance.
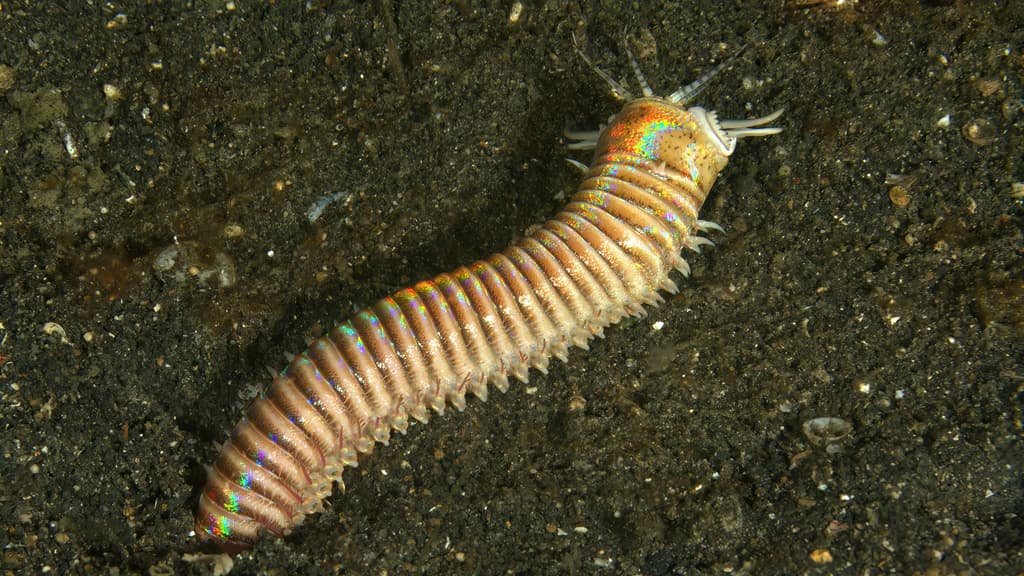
<point>980,132</point>
<point>826,430</point>
<point>54,329</point>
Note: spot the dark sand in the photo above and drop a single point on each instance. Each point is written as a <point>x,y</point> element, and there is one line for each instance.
<point>671,451</point>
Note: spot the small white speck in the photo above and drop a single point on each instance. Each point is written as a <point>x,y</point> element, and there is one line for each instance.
<point>270,253</point>
<point>864,387</point>
<point>516,13</point>
<point>658,325</point>
<point>900,394</point>
<point>111,92</point>
<point>69,145</point>
<point>944,121</point>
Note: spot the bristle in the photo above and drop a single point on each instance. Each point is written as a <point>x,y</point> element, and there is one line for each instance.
<point>695,242</point>
<point>459,402</point>
<point>520,371</point>
<point>500,381</point>
<point>682,266</point>
<point>380,431</point>
<point>480,391</point>
<point>420,414</point>
<point>560,350</point>
<point>540,362</point>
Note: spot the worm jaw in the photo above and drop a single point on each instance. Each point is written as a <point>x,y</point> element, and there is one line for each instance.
<point>724,142</point>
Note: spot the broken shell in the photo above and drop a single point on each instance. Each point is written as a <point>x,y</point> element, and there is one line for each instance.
<point>1010,108</point>
<point>826,430</point>
<point>988,86</point>
<point>979,132</point>
<point>899,197</point>
<point>54,329</point>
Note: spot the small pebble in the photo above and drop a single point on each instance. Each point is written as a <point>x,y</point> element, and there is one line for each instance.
<point>899,197</point>
<point>233,231</point>
<point>821,556</point>
<point>979,132</point>
<point>113,93</point>
<point>988,86</point>
<point>516,13</point>
<point>1017,191</point>
<point>7,78</point>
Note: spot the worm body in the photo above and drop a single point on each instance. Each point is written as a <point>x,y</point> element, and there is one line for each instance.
<point>607,254</point>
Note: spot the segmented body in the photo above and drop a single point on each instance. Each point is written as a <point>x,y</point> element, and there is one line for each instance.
<point>605,255</point>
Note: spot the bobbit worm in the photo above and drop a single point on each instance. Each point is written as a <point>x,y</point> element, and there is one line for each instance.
<point>606,255</point>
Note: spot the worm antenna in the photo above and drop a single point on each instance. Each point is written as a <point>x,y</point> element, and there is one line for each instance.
<point>752,126</point>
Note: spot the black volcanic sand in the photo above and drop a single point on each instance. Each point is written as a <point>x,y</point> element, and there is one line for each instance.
<point>190,190</point>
